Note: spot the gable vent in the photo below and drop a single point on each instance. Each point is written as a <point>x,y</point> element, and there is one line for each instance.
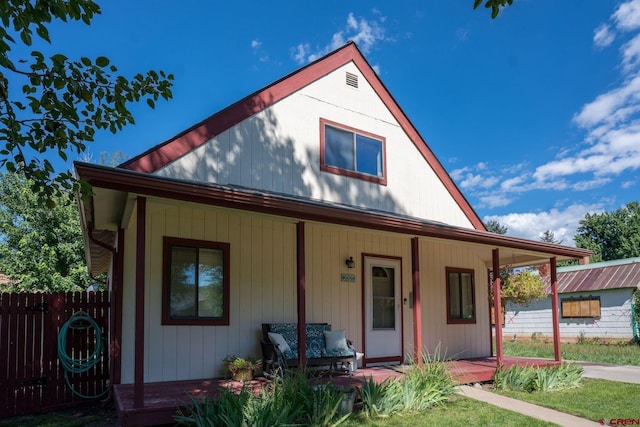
<point>352,80</point>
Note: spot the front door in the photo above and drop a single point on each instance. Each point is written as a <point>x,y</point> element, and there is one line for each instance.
<point>382,307</point>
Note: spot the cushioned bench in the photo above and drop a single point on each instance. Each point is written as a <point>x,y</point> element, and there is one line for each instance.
<point>324,347</point>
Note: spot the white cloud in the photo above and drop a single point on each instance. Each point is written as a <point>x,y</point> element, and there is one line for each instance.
<point>627,16</point>
<point>255,44</point>
<point>494,201</point>
<point>628,184</point>
<point>562,222</point>
<point>603,36</point>
<point>363,32</point>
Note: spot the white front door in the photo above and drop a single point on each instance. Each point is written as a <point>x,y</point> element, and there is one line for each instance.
<point>382,320</point>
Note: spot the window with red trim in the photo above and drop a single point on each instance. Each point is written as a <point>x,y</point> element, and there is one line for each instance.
<point>461,306</point>
<point>195,282</point>
<point>348,151</point>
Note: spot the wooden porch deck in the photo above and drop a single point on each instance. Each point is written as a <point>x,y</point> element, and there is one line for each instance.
<point>162,399</point>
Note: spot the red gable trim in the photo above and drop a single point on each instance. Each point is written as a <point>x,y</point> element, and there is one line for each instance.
<point>161,155</point>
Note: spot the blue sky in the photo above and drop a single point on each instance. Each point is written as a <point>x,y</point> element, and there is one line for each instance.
<point>534,114</point>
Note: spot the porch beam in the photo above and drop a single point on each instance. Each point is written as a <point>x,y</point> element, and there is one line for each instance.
<point>138,379</point>
<point>301,296</point>
<point>497,306</point>
<point>417,309</point>
<point>554,310</point>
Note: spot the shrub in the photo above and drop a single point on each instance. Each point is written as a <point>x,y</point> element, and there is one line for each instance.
<point>530,379</point>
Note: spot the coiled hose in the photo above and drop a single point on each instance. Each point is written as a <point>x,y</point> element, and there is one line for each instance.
<point>79,320</point>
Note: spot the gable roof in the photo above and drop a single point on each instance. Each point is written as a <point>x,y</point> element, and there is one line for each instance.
<point>618,274</point>
<point>172,149</point>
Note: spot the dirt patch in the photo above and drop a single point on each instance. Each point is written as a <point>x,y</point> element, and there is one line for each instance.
<point>98,415</point>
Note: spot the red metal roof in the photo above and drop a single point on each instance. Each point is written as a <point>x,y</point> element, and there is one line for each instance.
<point>600,276</point>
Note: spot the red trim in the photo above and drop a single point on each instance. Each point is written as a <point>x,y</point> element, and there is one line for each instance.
<point>363,311</point>
<point>417,309</point>
<point>489,303</point>
<point>351,173</point>
<point>451,321</point>
<point>116,310</point>
<point>167,243</point>
<point>554,310</point>
<point>138,381</point>
<point>497,306</point>
<point>168,151</point>
<point>301,296</point>
<point>254,201</point>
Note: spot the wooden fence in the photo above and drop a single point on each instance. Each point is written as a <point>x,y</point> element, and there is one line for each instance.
<point>32,378</point>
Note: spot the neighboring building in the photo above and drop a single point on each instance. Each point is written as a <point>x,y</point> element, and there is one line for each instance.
<point>250,217</point>
<point>596,301</point>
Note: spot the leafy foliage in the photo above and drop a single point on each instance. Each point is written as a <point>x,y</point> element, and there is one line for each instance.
<point>611,235</point>
<point>530,379</point>
<point>61,102</point>
<point>549,236</point>
<point>521,287</point>
<point>40,248</point>
<point>494,5</point>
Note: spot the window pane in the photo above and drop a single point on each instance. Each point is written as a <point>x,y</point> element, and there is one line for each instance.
<point>454,296</point>
<point>383,294</point>
<point>338,148</point>
<point>467,296</point>
<point>183,281</point>
<point>210,283</point>
<point>369,156</point>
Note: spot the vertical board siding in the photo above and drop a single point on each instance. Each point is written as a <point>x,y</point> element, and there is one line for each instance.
<point>277,150</point>
<point>262,288</point>
<point>31,375</point>
<point>451,340</point>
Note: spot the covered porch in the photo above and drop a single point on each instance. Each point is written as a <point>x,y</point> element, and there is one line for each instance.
<point>162,399</point>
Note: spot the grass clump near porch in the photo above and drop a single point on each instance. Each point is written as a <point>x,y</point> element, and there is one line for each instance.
<point>621,352</point>
<point>293,399</point>
<point>532,379</point>
<point>595,400</point>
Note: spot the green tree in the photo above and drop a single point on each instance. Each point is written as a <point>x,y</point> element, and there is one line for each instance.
<point>494,5</point>
<point>611,235</point>
<point>41,248</point>
<point>55,105</point>
<point>495,227</point>
<point>548,236</point>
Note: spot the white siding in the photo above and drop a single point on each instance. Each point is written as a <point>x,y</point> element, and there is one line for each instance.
<point>452,340</point>
<point>278,150</point>
<point>615,320</point>
<point>263,288</point>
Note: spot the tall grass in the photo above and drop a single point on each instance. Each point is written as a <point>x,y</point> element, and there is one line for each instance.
<point>289,400</point>
<point>589,351</point>
<point>530,379</point>
<point>422,387</point>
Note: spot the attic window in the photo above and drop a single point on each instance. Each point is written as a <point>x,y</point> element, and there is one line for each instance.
<point>352,152</point>
<point>352,80</point>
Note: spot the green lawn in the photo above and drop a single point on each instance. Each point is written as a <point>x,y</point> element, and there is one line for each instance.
<point>460,411</point>
<point>596,399</point>
<point>621,354</point>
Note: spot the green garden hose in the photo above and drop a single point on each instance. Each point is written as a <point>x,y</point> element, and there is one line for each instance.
<point>79,320</point>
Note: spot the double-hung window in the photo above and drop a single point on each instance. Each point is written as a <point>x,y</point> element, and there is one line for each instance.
<point>348,151</point>
<point>195,282</point>
<point>461,307</point>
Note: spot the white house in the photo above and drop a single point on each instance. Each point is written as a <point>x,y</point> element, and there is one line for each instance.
<point>596,301</point>
<point>248,217</point>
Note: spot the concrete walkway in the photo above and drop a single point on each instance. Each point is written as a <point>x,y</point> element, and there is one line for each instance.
<point>625,374</point>
<point>525,408</point>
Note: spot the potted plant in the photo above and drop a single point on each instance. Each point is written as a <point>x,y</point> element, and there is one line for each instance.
<point>239,368</point>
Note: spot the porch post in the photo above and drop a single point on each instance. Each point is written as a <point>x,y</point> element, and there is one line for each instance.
<point>301,297</point>
<point>554,310</point>
<point>138,379</point>
<point>497,306</point>
<point>415,288</point>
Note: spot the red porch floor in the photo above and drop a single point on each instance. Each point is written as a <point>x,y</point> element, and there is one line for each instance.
<point>162,399</point>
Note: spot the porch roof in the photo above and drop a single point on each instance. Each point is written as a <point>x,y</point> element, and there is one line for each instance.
<point>111,205</point>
